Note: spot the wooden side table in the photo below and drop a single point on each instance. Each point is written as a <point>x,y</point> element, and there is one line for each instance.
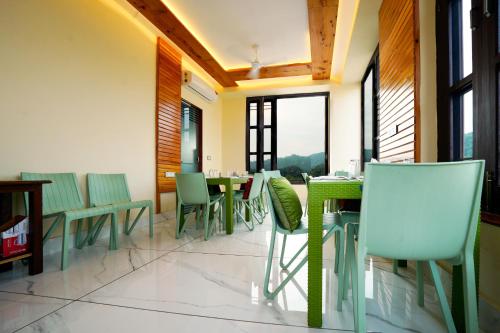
<point>35,252</point>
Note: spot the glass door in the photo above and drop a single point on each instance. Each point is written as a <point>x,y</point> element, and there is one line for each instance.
<point>191,136</point>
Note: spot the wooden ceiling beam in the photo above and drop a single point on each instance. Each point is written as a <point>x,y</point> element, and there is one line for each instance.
<point>268,72</point>
<point>322,25</point>
<point>159,14</point>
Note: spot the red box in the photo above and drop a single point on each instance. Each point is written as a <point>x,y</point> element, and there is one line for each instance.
<point>15,240</point>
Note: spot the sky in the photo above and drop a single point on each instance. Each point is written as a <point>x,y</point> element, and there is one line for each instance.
<point>301,125</point>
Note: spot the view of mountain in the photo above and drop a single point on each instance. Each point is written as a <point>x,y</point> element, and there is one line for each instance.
<point>292,166</point>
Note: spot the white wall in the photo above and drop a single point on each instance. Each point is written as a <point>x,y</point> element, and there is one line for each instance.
<point>428,99</point>
<point>77,93</point>
<point>345,125</point>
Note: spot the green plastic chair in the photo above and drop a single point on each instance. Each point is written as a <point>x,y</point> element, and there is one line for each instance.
<point>306,178</point>
<point>192,190</point>
<point>112,189</point>
<point>302,229</point>
<point>431,212</point>
<point>62,199</point>
<point>252,203</point>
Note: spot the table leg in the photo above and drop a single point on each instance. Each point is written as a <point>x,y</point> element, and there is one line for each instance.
<point>315,263</point>
<point>229,206</point>
<point>36,231</point>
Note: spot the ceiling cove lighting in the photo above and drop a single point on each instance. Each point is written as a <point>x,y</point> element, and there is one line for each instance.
<point>348,11</point>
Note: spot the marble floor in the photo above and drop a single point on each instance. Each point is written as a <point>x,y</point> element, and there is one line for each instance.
<point>187,285</point>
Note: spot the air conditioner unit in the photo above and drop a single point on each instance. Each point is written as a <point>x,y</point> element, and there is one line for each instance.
<point>195,83</point>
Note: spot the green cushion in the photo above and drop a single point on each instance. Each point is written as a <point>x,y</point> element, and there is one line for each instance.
<point>286,202</point>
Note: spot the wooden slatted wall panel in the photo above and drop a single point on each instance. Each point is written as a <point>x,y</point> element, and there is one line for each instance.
<point>399,67</point>
<point>168,116</point>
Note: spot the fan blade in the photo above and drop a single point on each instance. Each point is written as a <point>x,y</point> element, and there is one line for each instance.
<point>254,73</point>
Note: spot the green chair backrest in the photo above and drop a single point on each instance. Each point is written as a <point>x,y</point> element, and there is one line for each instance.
<point>107,189</point>
<point>420,211</point>
<point>268,175</point>
<point>257,184</point>
<point>61,195</point>
<point>192,188</point>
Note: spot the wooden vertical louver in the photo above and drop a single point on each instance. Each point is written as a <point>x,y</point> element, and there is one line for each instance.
<point>168,117</point>
<point>399,79</point>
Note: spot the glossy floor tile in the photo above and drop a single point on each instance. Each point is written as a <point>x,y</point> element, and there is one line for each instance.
<point>18,310</point>
<point>190,284</point>
<point>87,317</point>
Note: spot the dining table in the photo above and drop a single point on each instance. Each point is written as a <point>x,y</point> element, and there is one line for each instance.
<point>228,183</point>
<point>324,189</point>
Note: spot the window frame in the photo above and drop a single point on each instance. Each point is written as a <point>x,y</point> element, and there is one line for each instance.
<point>486,95</point>
<point>372,65</point>
<point>261,100</point>
<point>450,85</point>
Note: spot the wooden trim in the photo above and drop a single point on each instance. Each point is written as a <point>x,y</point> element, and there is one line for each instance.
<point>296,69</point>
<point>399,59</point>
<point>322,25</point>
<point>161,17</point>
<point>490,218</point>
<point>416,85</point>
<point>168,121</point>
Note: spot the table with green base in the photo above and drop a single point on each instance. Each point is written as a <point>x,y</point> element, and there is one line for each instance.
<point>228,183</point>
<point>319,192</point>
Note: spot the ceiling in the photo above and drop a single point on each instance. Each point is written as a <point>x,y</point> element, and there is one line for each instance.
<point>363,42</point>
<point>228,28</point>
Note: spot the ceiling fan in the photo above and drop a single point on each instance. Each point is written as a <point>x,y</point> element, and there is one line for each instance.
<point>255,65</point>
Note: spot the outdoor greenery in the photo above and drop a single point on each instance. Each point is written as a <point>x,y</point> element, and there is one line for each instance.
<point>292,166</point>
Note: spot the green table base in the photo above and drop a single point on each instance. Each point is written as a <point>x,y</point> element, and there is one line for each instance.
<point>228,183</point>
<point>319,192</point>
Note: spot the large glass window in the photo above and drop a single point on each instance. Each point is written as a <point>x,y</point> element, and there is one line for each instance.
<point>301,136</point>
<point>369,111</point>
<point>456,97</point>
<point>468,60</point>
<point>290,134</point>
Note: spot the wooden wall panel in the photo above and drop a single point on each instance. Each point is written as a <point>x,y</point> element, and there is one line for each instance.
<point>399,81</point>
<point>168,117</point>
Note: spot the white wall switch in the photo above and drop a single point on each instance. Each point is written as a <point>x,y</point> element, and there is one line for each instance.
<point>170,174</point>
<point>209,157</point>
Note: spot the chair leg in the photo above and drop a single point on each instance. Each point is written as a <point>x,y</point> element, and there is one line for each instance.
<point>267,274</point>
<point>445,308</point>
<point>198,217</point>
<point>206,215</point>
<point>395,266</point>
<point>470,297</point>
<point>78,234</point>
<point>65,244</point>
<point>113,237</point>
<point>151,221</point>
<point>282,264</point>
<point>359,285</point>
<point>53,227</point>
<point>337,252</point>
<point>178,226</point>
<point>420,283</point>
<point>349,255</point>
<point>127,220</point>
<point>340,264</point>
<point>128,231</point>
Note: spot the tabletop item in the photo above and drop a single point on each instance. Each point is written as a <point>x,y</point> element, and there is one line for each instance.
<point>34,192</point>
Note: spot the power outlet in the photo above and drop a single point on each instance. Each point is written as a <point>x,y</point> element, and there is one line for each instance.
<point>170,174</point>
<point>209,157</point>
